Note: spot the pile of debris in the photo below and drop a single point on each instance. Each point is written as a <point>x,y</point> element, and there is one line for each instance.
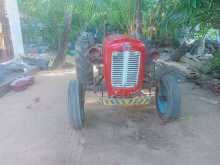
<point>195,67</point>
<point>39,56</point>
<point>199,63</point>
<point>15,75</point>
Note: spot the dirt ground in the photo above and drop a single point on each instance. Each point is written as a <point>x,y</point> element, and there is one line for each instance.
<point>35,129</point>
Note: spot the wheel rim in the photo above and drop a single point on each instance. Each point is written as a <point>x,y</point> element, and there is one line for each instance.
<point>162,98</point>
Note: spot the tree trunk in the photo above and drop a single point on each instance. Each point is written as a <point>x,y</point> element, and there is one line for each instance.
<point>138,20</point>
<point>63,43</point>
<point>201,47</point>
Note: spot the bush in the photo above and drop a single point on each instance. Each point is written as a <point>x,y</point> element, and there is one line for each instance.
<point>215,63</point>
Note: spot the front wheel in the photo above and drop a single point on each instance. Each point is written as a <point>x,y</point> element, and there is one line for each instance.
<point>76,96</point>
<point>168,97</point>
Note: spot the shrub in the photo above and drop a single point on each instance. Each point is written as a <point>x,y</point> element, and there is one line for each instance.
<point>215,63</point>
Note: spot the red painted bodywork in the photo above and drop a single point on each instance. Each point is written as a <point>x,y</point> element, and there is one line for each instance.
<point>116,43</point>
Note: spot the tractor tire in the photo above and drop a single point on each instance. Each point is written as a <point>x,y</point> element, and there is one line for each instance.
<point>84,69</point>
<point>76,101</point>
<point>168,98</point>
<point>161,69</point>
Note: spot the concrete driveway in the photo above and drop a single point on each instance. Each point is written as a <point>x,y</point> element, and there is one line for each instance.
<point>35,129</point>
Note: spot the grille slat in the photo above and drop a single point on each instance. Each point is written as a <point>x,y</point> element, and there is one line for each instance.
<point>125,69</point>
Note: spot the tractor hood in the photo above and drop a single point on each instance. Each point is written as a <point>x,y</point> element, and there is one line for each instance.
<point>124,59</point>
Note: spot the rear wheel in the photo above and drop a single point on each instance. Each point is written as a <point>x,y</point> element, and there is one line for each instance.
<point>84,74</point>
<point>84,69</point>
<point>76,101</point>
<point>168,97</point>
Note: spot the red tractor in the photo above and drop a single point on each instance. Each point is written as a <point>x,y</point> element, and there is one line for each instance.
<point>124,73</point>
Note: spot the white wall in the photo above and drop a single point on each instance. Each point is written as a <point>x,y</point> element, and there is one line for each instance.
<point>15,27</point>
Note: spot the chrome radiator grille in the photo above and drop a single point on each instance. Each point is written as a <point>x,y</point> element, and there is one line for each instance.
<point>125,69</point>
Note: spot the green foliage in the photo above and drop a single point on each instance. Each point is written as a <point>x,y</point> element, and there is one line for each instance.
<point>86,14</point>
<point>169,18</point>
<point>43,18</point>
<point>215,63</point>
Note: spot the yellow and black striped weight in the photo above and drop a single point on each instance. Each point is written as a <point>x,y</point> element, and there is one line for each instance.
<point>143,100</point>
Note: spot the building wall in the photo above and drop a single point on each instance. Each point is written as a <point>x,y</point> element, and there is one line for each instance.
<point>6,51</point>
<point>15,27</point>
